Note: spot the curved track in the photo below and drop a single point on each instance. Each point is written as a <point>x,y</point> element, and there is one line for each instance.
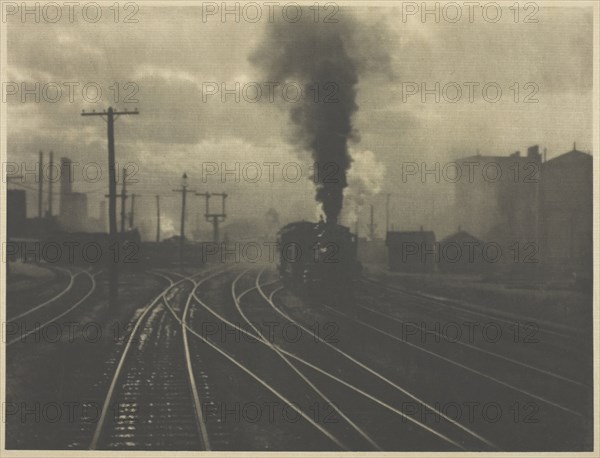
<point>269,386</point>
<point>222,339</point>
<point>557,398</point>
<point>53,309</point>
<point>450,423</point>
<point>365,391</point>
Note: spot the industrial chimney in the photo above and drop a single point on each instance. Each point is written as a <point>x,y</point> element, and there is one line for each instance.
<point>66,178</point>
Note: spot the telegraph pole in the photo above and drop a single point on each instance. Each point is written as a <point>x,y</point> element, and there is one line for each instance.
<point>131,213</point>
<point>215,218</point>
<point>184,190</point>
<point>40,183</point>
<point>123,199</point>
<point>218,217</point>
<point>109,117</point>
<point>157,218</point>
<point>50,165</point>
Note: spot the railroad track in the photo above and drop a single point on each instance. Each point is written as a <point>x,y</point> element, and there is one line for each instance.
<point>556,411</point>
<point>71,277</point>
<point>160,389</point>
<point>244,358</point>
<point>460,365</point>
<point>555,330</point>
<point>362,374</point>
<point>150,399</point>
<point>171,369</point>
<point>551,357</point>
<point>21,294</point>
<point>38,317</point>
<point>553,350</point>
<point>386,318</point>
<point>237,300</point>
<point>362,391</point>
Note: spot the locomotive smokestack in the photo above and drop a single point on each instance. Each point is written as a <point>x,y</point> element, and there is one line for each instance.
<point>315,55</point>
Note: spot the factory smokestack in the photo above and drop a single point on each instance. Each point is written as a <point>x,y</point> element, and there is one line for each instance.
<point>66,179</point>
<point>316,57</point>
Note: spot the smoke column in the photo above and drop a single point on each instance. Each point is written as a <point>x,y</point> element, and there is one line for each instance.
<point>315,56</point>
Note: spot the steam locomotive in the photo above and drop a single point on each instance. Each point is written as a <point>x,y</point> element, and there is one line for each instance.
<point>318,257</point>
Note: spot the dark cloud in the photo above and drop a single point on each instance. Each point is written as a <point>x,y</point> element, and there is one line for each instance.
<point>171,52</point>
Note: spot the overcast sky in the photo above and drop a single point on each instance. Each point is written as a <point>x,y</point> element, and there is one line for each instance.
<point>171,52</point>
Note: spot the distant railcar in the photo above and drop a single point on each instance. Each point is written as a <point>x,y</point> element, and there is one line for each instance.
<point>318,257</point>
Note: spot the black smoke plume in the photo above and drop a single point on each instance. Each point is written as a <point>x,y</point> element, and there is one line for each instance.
<point>318,57</point>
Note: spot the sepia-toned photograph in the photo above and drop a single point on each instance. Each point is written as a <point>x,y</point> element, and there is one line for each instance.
<point>299,227</point>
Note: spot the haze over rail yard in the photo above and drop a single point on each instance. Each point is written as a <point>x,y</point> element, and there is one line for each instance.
<point>318,231</point>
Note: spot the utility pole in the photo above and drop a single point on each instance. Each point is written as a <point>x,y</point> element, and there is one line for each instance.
<point>218,217</point>
<point>372,226</point>
<point>184,190</point>
<point>102,215</point>
<point>215,218</point>
<point>40,184</point>
<point>123,199</point>
<point>157,218</point>
<point>131,213</point>
<point>50,196</point>
<point>112,194</point>
<point>197,227</point>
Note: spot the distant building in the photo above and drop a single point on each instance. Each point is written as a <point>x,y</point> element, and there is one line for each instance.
<point>66,176</point>
<point>411,251</point>
<point>540,213</point>
<point>496,196</point>
<point>16,212</point>
<point>73,214</point>
<point>461,253</point>
<point>566,224</point>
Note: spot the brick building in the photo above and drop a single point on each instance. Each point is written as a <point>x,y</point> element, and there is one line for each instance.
<point>496,196</point>
<point>566,217</point>
<point>16,212</point>
<point>547,205</point>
